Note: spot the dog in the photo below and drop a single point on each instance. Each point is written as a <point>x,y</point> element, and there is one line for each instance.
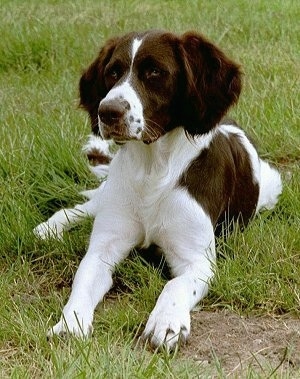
<point>181,173</point>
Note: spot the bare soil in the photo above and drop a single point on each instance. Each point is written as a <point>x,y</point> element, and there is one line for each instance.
<point>266,345</point>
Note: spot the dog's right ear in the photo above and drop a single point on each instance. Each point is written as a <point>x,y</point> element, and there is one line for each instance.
<point>92,86</point>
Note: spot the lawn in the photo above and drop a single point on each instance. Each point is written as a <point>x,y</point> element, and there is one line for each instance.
<point>44,47</point>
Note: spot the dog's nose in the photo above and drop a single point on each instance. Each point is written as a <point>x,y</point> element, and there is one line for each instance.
<point>112,112</point>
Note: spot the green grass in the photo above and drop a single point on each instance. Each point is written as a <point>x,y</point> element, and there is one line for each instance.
<point>43,49</point>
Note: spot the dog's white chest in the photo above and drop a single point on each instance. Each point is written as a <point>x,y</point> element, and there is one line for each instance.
<point>147,178</point>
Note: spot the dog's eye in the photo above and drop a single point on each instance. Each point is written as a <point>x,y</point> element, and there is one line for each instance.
<point>114,74</point>
<point>153,73</point>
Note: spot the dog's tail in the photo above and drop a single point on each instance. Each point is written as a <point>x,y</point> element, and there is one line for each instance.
<point>270,187</point>
<point>99,154</point>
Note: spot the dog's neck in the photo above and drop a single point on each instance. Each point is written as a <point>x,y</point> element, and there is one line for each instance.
<point>171,151</point>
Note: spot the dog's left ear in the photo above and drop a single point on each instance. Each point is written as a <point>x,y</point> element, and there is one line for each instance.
<point>213,83</point>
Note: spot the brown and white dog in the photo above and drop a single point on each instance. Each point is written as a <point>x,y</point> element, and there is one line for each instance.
<point>179,174</point>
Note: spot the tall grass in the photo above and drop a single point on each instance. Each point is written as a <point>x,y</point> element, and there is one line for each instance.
<point>43,49</point>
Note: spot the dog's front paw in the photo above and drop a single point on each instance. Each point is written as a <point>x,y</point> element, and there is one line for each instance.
<point>73,323</point>
<point>47,230</point>
<point>167,326</point>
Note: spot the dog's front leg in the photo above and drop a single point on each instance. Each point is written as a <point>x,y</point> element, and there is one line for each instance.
<point>189,248</point>
<point>169,322</point>
<point>65,218</point>
<point>111,241</point>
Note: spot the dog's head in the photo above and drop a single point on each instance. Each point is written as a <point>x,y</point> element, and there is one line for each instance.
<point>142,85</point>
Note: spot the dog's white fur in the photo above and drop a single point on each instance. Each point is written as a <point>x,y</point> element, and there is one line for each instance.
<point>139,205</point>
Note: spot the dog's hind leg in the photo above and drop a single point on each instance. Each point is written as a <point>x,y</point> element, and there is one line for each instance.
<point>270,187</point>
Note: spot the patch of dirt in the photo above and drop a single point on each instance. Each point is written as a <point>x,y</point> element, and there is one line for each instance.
<point>266,344</point>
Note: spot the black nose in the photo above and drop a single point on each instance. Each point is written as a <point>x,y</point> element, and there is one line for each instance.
<point>112,112</point>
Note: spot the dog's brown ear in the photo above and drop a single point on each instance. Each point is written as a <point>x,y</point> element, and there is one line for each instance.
<point>213,83</point>
<point>92,86</point>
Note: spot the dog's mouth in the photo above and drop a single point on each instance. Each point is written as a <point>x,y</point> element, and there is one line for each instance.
<point>121,140</point>
<point>116,135</point>
<point>119,135</point>
<point>118,138</point>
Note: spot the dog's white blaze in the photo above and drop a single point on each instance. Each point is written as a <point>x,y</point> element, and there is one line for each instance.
<point>135,46</point>
<point>125,91</point>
